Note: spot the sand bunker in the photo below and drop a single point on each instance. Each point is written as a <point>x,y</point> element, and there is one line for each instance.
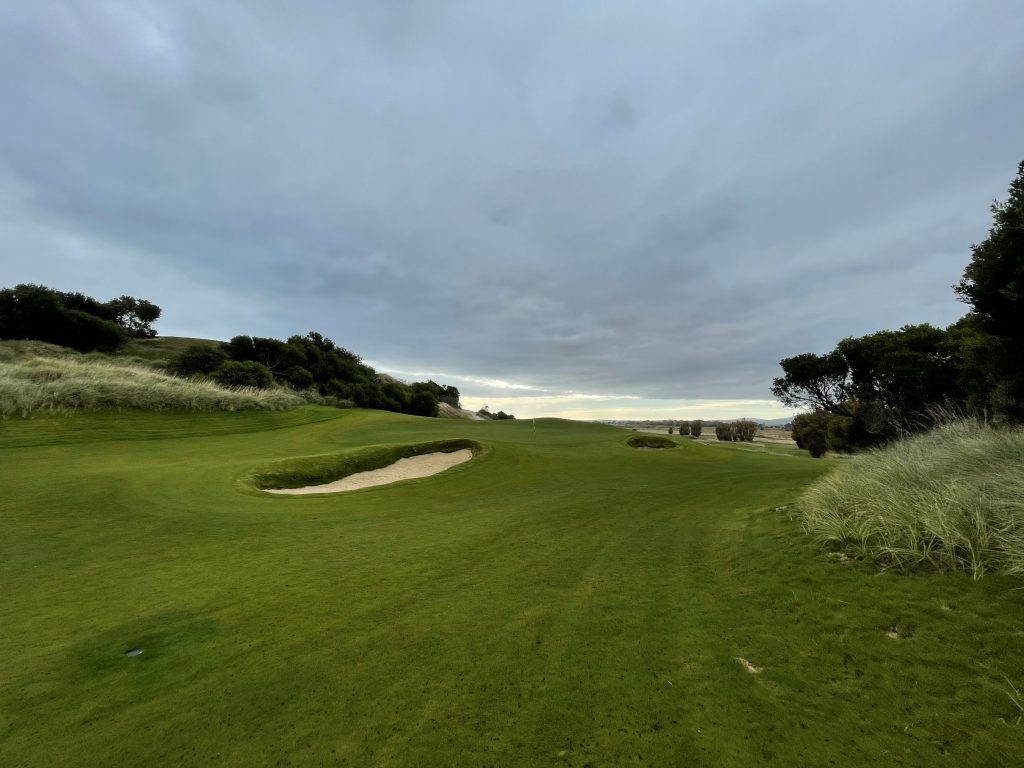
<point>404,469</point>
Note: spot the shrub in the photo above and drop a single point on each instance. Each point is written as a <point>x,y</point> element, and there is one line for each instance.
<point>810,431</point>
<point>243,374</point>
<point>744,430</point>
<point>949,499</point>
<point>199,359</point>
<point>423,403</point>
<point>298,377</point>
<point>80,330</point>
<point>650,441</point>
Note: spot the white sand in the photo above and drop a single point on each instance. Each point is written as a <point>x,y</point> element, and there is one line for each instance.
<point>404,469</point>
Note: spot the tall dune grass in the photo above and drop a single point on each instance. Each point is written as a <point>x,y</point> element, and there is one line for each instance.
<point>951,499</point>
<point>57,383</point>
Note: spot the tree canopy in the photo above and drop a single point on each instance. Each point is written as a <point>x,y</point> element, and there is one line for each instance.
<point>993,284</point>
<point>879,386</point>
<point>315,362</point>
<point>29,311</point>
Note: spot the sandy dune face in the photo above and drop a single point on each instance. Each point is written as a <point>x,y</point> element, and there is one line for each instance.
<point>403,469</point>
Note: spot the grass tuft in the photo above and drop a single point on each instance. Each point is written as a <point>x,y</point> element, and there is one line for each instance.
<point>62,382</point>
<point>951,499</point>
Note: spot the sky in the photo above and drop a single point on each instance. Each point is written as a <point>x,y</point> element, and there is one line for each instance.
<point>585,209</point>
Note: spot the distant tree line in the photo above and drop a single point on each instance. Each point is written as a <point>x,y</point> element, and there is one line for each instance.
<point>878,387</point>
<point>312,362</point>
<point>499,416</point>
<point>29,311</point>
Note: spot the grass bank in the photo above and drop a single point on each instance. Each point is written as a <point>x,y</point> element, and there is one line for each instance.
<point>565,600</point>
<point>949,499</point>
<point>54,382</point>
<point>318,470</point>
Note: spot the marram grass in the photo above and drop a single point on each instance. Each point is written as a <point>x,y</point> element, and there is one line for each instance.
<point>78,382</point>
<point>951,499</point>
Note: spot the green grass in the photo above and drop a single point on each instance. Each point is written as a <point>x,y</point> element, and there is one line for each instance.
<point>949,499</point>
<point>162,349</point>
<point>562,599</point>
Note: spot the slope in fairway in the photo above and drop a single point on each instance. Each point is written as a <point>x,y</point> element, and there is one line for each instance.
<point>562,599</point>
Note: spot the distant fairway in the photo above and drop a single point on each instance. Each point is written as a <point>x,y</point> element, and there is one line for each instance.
<point>562,599</point>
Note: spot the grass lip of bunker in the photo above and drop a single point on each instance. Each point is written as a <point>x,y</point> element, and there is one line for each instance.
<point>650,442</point>
<point>311,471</point>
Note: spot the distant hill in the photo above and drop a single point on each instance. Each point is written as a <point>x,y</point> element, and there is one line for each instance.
<point>775,422</point>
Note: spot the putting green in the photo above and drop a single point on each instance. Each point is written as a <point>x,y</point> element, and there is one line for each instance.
<point>562,599</point>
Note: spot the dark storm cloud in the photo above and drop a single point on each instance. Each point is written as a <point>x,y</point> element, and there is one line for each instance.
<point>653,199</point>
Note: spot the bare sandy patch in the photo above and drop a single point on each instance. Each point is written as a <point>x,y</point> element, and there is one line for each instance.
<point>404,469</point>
<point>747,665</point>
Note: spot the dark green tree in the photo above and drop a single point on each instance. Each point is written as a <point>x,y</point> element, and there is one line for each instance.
<point>993,284</point>
<point>30,311</point>
<point>136,316</point>
<point>199,359</point>
<point>888,382</point>
<point>244,373</point>
<point>810,431</point>
<point>423,403</point>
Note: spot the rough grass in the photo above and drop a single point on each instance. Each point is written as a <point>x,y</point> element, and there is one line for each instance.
<point>949,499</point>
<point>29,384</point>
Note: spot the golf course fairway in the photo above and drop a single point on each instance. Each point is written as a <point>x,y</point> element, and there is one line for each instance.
<point>561,600</point>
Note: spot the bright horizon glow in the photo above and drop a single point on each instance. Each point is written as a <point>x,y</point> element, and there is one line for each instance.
<point>501,395</point>
<point>635,409</point>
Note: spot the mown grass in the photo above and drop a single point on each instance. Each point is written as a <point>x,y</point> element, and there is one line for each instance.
<point>563,600</point>
<point>949,499</point>
<point>58,382</point>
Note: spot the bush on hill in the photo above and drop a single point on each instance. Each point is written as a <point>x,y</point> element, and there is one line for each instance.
<point>243,374</point>
<point>74,320</point>
<point>314,362</point>
<point>952,498</point>
<point>198,359</point>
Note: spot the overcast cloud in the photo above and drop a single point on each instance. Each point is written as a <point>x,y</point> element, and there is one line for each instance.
<point>586,208</point>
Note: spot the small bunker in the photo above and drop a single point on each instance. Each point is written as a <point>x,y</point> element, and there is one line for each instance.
<point>650,442</point>
<point>362,468</point>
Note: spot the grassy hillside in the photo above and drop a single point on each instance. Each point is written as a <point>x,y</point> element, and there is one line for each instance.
<point>562,599</point>
<point>70,381</point>
<point>162,349</point>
